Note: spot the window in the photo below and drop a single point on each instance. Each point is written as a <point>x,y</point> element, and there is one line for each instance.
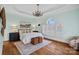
<point>51,21</point>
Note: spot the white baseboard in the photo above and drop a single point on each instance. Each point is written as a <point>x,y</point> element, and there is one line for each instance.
<point>56,39</point>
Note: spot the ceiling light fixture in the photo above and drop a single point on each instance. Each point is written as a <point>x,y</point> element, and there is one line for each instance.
<point>37,12</point>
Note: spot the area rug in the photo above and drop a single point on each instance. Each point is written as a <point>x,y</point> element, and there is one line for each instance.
<point>27,49</point>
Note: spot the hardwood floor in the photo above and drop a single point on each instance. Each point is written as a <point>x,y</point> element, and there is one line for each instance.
<point>54,48</point>
<point>9,49</point>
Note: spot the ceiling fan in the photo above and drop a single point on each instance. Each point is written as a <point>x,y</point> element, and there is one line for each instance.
<point>37,12</point>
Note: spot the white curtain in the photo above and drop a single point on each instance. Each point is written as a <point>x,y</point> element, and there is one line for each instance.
<point>54,31</point>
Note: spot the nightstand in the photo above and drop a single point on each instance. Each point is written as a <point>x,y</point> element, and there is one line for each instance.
<point>14,36</point>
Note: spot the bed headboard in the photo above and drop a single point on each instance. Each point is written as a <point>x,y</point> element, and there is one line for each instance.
<point>25,28</point>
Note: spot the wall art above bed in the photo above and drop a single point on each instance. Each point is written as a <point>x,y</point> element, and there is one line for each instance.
<point>25,28</point>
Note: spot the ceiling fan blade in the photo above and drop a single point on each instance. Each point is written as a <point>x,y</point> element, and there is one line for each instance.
<point>53,9</point>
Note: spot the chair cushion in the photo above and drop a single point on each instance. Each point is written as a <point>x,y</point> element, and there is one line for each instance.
<point>77,41</point>
<point>72,43</point>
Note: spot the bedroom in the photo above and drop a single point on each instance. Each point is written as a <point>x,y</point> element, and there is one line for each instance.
<point>58,22</point>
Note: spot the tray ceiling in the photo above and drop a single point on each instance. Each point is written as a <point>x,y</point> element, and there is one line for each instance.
<point>45,8</point>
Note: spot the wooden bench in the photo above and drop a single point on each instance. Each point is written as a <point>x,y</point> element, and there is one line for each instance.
<point>36,40</point>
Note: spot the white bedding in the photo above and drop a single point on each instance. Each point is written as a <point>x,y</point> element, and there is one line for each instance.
<point>26,37</point>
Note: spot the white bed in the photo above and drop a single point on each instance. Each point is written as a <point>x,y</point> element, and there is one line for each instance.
<point>26,34</point>
<point>26,37</point>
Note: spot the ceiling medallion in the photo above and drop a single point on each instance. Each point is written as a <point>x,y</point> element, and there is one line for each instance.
<point>37,12</point>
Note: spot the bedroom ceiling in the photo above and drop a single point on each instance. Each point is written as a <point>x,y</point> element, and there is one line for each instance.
<point>27,9</point>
